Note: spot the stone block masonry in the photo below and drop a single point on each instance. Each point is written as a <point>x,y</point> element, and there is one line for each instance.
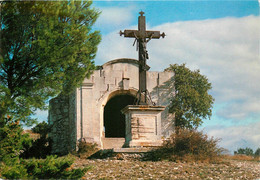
<point>84,114</point>
<point>62,121</point>
<point>143,125</point>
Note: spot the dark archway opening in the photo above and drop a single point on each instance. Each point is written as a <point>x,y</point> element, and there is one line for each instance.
<point>114,120</point>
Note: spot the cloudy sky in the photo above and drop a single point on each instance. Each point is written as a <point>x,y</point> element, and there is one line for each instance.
<point>221,38</point>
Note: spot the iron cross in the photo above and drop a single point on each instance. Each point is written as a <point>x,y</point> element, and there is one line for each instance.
<point>142,37</point>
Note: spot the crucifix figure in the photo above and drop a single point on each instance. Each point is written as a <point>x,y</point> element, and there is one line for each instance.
<point>142,37</point>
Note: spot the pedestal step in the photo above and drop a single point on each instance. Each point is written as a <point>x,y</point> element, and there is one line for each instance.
<point>131,150</point>
<point>110,143</point>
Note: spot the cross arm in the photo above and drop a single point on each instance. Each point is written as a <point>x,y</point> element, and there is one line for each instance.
<point>137,34</point>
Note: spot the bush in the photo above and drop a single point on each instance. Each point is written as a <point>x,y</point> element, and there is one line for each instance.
<point>41,147</point>
<point>14,171</point>
<point>12,140</point>
<point>187,145</point>
<point>86,149</point>
<point>50,168</point>
<point>53,167</point>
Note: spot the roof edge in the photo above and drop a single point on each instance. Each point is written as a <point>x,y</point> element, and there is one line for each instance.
<point>121,60</point>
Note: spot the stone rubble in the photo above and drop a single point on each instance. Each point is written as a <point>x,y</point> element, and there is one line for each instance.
<point>132,168</point>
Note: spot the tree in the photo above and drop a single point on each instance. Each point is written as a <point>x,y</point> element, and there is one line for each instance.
<point>257,152</point>
<point>246,151</point>
<point>47,47</point>
<point>191,102</point>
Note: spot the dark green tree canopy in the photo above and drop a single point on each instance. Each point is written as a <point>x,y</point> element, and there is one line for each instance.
<point>47,47</point>
<point>246,151</point>
<point>42,128</point>
<point>191,102</point>
<point>257,152</point>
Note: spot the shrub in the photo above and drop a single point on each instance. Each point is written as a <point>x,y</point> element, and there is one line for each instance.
<point>12,141</point>
<point>42,128</point>
<point>41,147</point>
<point>187,145</point>
<point>13,171</point>
<point>53,167</point>
<point>86,149</point>
<point>50,168</point>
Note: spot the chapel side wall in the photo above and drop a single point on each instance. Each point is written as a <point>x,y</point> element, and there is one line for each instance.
<point>99,89</point>
<point>90,92</point>
<point>158,86</point>
<point>166,93</point>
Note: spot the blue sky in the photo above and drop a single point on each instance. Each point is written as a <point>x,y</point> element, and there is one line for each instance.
<point>160,12</point>
<point>221,38</point>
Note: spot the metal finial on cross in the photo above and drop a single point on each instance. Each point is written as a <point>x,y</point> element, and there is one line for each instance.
<point>142,37</point>
<point>141,13</point>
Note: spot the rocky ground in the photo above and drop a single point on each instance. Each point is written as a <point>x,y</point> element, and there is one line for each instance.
<point>121,167</point>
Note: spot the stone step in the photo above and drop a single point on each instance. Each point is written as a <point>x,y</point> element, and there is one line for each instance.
<point>111,143</point>
<point>132,150</point>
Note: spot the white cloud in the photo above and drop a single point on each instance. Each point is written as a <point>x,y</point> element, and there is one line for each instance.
<point>113,18</point>
<point>236,137</point>
<point>226,50</point>
<point>113,46</point>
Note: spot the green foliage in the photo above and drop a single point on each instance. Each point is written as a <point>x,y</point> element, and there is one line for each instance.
<point>53,167</point>
<point>13,143</point>
<point>86,149</point>
<point>188,145</point>
<point>12,140</point>
<point>192,101</point>
<point>246,151</point>
<point>257,152</point>
<point>47,47</point>
<point>13,171</point>
<point>50,168</point>
<point>41,147</point>
<point>42,128</point>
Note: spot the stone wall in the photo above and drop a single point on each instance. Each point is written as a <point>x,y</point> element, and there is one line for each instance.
<point>79,116</point>
<point>162,94</point>
<point>62,120</point>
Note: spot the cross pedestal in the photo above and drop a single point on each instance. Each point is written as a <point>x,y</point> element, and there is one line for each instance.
<point>143,125</point>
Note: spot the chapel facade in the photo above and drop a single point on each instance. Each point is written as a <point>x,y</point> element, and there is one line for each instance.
<point>92,113</point>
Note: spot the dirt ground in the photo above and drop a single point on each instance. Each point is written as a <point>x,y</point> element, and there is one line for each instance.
<point>137,169</point>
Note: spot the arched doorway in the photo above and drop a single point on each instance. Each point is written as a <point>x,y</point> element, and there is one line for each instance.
<point>114,120</point>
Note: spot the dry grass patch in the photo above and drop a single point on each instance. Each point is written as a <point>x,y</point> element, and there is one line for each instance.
<point>242,157</point>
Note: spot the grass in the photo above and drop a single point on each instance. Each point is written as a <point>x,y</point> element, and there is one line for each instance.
<point>242,157</point>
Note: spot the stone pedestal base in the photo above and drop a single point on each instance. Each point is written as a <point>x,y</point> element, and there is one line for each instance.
<point>143,125</point>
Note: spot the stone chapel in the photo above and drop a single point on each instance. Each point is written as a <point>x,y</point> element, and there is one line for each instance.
<point>92,113</point>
